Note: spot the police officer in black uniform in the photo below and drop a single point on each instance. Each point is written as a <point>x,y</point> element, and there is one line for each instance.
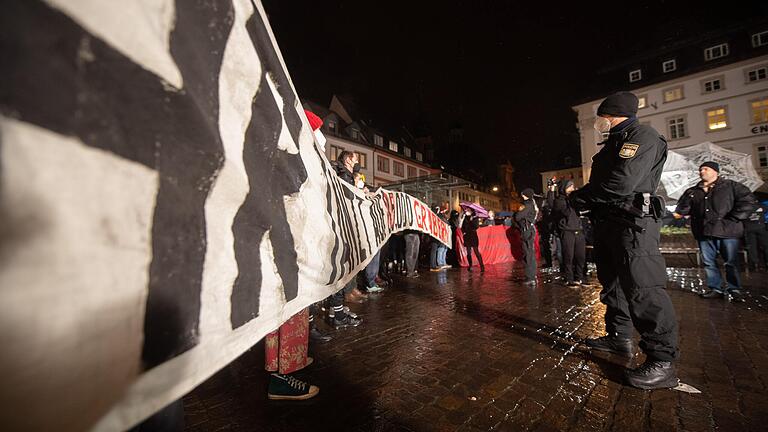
<point>627,219</point>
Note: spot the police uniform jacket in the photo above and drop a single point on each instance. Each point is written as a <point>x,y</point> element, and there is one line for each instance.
<point>629,163</point>
<point>719,212</point>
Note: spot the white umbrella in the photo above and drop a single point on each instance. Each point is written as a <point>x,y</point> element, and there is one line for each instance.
<point>678,175</point>
<point>682,174</point>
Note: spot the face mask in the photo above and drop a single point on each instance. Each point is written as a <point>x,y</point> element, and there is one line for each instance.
<point>602,125</point>
<point>360,184</point>
<point>356,168</point>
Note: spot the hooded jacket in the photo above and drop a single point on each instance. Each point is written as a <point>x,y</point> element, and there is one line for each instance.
<point>565,215</point>
<point>525,219</point>
<point>343,172</point>
<point>719,212</point>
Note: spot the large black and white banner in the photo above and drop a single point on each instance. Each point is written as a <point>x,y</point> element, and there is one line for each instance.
<point>163,205</point>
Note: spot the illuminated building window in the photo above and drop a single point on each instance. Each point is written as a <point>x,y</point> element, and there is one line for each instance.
<point>716,118</point>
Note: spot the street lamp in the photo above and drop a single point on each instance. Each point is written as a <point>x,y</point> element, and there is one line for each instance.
<point>495,188</point>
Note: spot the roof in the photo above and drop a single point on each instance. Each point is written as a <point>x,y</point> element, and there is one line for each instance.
<point>688,53</point>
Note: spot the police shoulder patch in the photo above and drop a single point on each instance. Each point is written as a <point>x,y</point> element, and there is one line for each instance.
<point>628,150</point>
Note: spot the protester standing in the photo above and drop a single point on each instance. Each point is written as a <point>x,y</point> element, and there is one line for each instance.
<point>469,224</point>
<point>756,237</point>
<point>717,207</point>
<point>285,353</point>
<point>437,249</point>
<point>525,219</point>
<point>571,231</point>
<point>346,167</point>
<point>412,243</point>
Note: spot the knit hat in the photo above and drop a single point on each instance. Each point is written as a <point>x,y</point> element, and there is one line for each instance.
<point>564,184</point>
<point>711,164</point>
<point>621,104</point>
<point>314,121</point>
<point>527,192</point>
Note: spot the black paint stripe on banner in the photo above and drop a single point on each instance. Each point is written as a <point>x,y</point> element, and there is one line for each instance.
<point>109,102</point>
<point>329,210</point>
<point>347,256</point>
<point>272,175</point>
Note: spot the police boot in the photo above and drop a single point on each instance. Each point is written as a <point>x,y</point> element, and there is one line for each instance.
<point>613,344</point>
<point>653,374</point>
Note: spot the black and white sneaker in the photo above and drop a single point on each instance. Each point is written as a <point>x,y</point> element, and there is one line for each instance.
<point>286,387</point>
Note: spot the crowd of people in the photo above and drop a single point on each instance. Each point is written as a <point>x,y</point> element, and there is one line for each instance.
<point>723,214</point>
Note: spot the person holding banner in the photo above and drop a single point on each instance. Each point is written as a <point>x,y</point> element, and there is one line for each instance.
<point>346,166</point>
<point>285,352</point>
<point>439,250</point>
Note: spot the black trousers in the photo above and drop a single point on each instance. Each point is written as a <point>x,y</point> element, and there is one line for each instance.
<point>633,274</point>
<point>477,253</point>
<point>756,236</point>
<point>574,253</point>
<point>545,247</point>
<point>529,253</point>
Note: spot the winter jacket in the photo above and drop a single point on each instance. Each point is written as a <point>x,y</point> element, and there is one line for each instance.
<point>343,172</point>
<point>719,212</point>
<point>525,219</point>
<point>566,217</point>
<point>469,229</point>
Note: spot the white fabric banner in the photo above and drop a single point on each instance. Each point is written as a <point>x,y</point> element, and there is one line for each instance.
<point>164,205</point>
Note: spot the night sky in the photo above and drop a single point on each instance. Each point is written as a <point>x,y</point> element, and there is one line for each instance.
<point>506,71</point>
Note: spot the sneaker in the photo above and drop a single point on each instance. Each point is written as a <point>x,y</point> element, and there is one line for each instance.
<point>375,289</point>
<point>573,284</point>
<point>412,275</point>
<point>348,321</point>
<point>653,374</point>
<point>316,335</point>
<point>712,294</point>
<point>436,269</point>
<point>735,296</point>
<point>286,387</point>
<point>446,266</point>
<point>349,312</point>
<point>611,344</point>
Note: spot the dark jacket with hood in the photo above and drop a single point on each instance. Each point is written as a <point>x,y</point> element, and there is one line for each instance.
<point>469,228</point>
<point>719,212</point>
<point>343,172</point>
<point>565,215</point>
<point>526,217</point>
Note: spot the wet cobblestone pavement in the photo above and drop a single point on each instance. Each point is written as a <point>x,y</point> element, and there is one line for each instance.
<point>470,352</point>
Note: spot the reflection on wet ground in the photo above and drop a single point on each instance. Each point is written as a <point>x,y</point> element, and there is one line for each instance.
<point>467,351</point>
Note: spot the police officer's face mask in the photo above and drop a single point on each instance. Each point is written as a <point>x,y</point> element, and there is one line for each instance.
<point>602,125</point>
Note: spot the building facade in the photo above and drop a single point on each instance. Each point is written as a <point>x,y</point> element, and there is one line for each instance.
<point>713,98</point>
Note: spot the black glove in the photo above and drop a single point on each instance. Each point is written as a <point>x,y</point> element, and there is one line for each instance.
<point>578,200</point>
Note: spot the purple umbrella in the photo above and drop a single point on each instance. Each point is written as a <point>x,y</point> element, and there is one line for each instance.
<point>479,210</point>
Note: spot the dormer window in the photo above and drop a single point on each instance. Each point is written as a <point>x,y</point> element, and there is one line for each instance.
<point>716,52</point>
